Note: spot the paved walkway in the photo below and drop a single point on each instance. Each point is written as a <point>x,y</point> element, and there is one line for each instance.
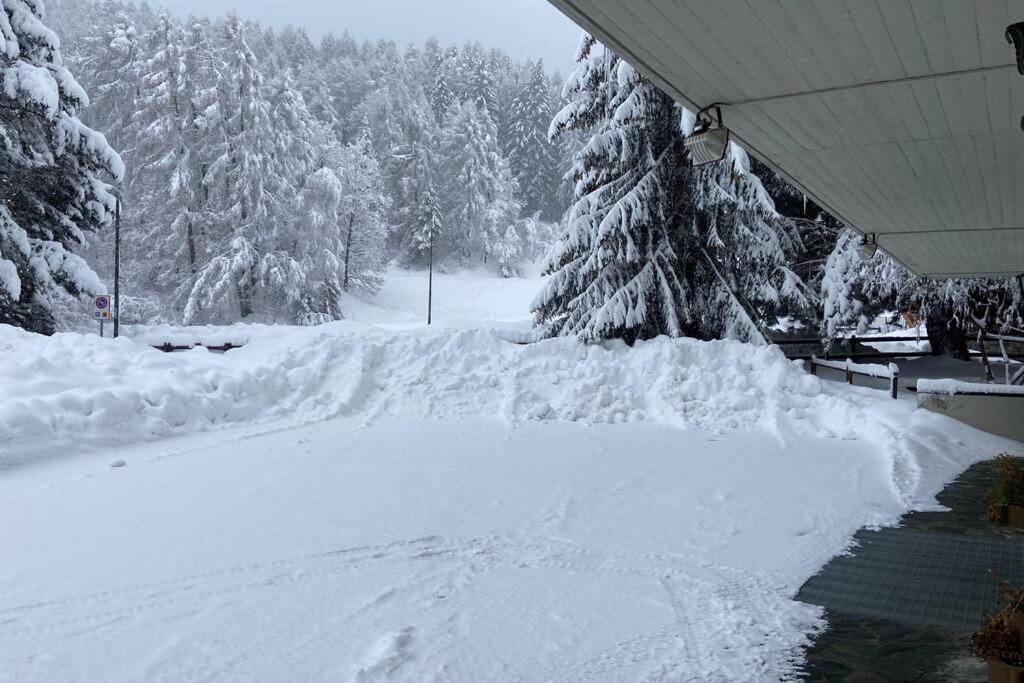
<point>902,606</point>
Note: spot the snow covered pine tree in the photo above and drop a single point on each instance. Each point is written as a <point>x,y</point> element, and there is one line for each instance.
<point>614,273</point>
<point>51,192</point>
<point>531,154</point>
<point>653,245</point>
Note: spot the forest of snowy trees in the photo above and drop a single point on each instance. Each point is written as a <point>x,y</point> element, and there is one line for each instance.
<point>262,175</point>
<point>266,174</point>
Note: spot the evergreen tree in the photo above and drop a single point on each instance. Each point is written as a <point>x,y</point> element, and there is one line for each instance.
<point>614,274</point>
<point>241,178</point>
<point>117,58</point>
<point>740,250</point>
<point>654,246</point>
<point>426,227</point>
<point>480,188</point>
<point>441,96</point>
<point>317,294</point>
<point>531,154</point>
<point>363,211</point>
<point>164,181</point>
<point>51,192</point>
<point>477,82</point>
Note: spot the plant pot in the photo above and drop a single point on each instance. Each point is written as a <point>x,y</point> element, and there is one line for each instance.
<point>1001,672</point>
<point>1015,515</point>
<point>998,513</point>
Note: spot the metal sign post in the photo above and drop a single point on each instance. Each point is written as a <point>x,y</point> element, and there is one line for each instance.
<point>101,310</point>
<point>430,278</point>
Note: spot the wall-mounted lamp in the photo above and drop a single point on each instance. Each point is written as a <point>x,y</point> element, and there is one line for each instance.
<point>709,139</point>
<point>1015,37</point>
<point>868,247</point>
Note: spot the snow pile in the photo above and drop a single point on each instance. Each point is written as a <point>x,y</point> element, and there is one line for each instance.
<point>238,334</point>
<point>89,390</point>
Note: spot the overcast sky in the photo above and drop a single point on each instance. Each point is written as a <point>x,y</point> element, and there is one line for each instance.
<point>525,29</point>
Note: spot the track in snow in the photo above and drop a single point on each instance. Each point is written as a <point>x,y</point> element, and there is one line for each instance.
<point>447,550</point>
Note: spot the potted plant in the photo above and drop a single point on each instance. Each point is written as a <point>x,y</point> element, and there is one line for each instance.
<point>1006,498</point>
<point>999,640</point>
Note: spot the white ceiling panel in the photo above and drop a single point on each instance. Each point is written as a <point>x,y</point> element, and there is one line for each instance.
<point>902,117</point>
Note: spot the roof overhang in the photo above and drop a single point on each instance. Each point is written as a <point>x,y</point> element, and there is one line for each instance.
<point>901,117</point>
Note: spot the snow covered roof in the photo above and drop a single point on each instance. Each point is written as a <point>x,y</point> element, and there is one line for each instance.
<point>901,118</point>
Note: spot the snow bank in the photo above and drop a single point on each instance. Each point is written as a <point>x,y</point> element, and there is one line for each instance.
<point>202,335</point>
<point>83,389</point>
<point>80,390</point>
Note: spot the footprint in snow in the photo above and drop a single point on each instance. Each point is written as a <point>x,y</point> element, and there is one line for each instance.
<point>385,657</point>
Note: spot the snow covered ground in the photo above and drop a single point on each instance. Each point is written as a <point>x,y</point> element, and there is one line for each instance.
<point>371,501</point>
<point>467,299</point>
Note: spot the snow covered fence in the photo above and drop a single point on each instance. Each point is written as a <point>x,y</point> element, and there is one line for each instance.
<point>890,372</point>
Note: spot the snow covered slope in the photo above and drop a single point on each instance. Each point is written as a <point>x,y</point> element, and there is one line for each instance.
<point>461,300</point>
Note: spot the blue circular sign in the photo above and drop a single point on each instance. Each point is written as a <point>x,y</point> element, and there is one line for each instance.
<point>102,302</point>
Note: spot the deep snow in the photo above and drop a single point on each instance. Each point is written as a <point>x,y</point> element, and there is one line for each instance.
<point>356,503</point>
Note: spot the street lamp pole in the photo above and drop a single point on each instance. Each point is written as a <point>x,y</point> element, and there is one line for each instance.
<point>430,276</point>
<point>117,267</point>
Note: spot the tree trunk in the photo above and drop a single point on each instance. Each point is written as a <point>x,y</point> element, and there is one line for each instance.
<point>244,300</point>
<point>945,334</point>
<point>348,250</point>
<point>190,236</point>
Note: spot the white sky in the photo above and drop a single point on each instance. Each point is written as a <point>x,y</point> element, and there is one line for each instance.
<point>525,29</point>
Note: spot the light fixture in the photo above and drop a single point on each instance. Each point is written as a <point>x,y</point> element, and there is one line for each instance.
<point>1015,37</point>
<point>709,139</point>
<point>868,247</point>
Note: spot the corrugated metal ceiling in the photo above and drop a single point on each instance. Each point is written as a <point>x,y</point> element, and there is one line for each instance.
<point>900,116</point>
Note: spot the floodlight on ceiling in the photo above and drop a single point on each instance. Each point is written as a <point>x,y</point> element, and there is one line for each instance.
<point>709,139</point>
<point>868,247</point>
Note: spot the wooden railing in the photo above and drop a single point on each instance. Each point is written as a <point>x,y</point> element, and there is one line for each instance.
<point>890,372</point>
<point>854,348</point>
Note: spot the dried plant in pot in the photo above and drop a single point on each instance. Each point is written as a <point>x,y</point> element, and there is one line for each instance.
<point>1006,497</point>
<point>1000,637</point>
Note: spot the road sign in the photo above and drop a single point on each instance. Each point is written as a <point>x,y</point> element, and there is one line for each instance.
<point>101,308</point>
